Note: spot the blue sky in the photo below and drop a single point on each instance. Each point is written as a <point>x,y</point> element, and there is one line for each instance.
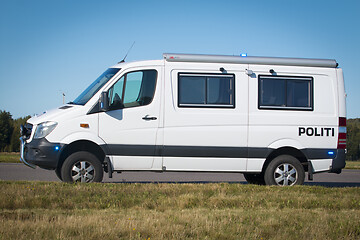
<point>48,47</point>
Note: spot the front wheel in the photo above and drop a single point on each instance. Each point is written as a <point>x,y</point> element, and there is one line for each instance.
<point>82,167</point>
<point>284,170</point>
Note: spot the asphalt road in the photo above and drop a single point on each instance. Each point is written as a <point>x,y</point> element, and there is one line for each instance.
<point>18,171</point>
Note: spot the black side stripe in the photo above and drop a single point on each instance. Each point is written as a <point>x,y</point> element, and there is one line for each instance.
<point>202,151</point>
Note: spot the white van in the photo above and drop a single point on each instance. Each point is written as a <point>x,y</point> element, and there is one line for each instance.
<point>272,119</point>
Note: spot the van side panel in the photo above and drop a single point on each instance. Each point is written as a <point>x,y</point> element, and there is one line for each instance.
<point>198,138</point>
<point>313,132</point>
<point>341,92</point>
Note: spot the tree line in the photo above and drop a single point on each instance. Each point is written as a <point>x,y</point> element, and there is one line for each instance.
<point>353,139</point>
<point>10,134</point>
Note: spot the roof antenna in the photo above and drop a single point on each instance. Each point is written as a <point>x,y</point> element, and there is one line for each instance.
<point>127,53</point>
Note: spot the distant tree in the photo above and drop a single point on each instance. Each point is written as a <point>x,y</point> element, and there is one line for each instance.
<point>15,142</point>
<point>6,129</point>
<point>353,139</point>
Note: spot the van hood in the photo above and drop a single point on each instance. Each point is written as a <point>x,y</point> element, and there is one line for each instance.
<point>52,115</point>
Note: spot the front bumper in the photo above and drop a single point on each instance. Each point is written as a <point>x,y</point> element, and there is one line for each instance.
<point>40,152</point>
<point>22,158</point>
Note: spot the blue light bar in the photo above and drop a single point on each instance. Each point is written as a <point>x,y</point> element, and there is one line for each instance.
<point>243,55</point>
<point>330,152</point>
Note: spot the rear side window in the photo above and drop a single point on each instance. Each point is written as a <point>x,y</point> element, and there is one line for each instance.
<point>287,93</point>
<point>202,90</point>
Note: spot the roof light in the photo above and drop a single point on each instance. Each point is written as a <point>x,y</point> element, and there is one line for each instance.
<point>243,55</point>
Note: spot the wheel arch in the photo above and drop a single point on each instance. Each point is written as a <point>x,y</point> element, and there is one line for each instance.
<point>81,145</point>
<point>286,151</point>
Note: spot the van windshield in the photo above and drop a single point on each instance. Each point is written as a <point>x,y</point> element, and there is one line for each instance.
<point>95,86</point>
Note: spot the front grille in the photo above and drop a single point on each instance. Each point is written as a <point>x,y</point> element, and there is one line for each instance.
<point>25,130</point>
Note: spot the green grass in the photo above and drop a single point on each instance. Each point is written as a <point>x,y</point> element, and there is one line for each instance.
<point>9,157</point>
<point>38,210</point>
<point>352,164</point>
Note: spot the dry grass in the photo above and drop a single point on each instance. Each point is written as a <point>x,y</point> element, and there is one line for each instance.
<point>30,210</point>
<point>183,224</point>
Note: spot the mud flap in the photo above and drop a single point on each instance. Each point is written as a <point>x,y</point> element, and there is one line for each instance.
<point>310,171</point>
<point>108,167</point>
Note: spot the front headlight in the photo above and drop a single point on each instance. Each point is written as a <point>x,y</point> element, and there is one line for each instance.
<point>44,129</point>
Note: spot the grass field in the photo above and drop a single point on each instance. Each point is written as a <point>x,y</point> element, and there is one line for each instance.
<point>9,157</point>
<point>37,210</point>
<point>352,164</point>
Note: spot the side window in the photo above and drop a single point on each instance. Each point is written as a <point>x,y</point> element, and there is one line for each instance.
<point>133,89</point>
<point>278,92</point>
<point>201,90</point>
<point>115,94</point>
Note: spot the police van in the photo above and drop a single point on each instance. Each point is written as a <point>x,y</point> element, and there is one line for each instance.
<point>271,119</point>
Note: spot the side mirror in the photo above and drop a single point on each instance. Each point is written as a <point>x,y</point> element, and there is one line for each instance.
<point>104,102</point>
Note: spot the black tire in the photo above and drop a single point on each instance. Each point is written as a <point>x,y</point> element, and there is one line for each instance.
<point>257,179</point>
<point>284,170</point>
<point>82,167</point>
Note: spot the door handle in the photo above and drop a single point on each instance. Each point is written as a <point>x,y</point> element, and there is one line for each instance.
<point>148,118</point>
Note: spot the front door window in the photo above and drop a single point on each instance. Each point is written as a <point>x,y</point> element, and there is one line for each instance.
<point>133,89</point>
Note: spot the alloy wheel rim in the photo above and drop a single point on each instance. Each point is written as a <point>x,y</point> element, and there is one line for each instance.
<point>83,171</point>
<point>285,175</point>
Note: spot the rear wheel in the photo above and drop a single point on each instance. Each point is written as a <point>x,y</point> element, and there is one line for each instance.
<point>255,178</point>
<point>284,170</point>
<point>82,167</point>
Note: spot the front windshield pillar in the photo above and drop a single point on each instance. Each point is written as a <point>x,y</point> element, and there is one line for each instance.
<point>89,92</point>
